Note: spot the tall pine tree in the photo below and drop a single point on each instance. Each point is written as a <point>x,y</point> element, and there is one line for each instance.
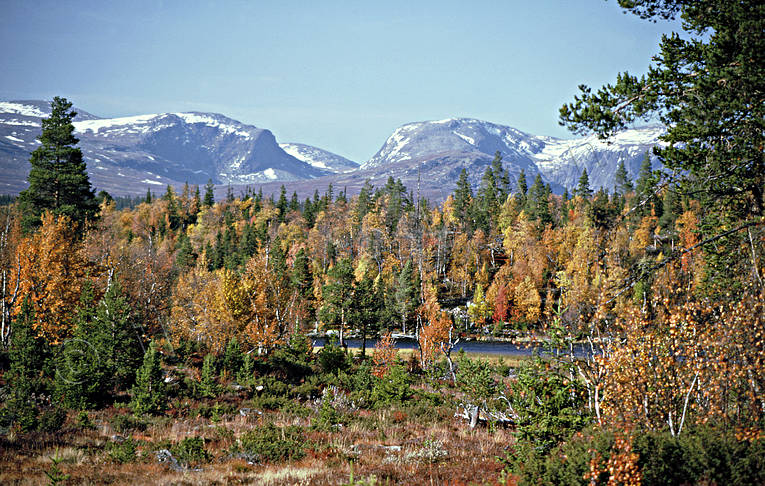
<point>58,180</point>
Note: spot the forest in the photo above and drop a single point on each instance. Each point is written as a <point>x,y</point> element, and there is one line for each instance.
<point>170,339</point>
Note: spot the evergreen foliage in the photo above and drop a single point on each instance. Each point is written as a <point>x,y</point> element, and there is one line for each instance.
<point>149,390</point>
<point>58,180</point>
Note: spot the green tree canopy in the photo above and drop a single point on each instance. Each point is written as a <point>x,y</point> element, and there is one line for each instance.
<point>707,88</point>
<point>58,180</point>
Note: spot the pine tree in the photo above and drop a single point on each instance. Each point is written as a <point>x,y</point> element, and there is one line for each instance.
<point>147,199</point>
<point>583,187</point>
<point>622,182</point>
<point>29,357</point>
<point>463,198</point>
<point>706,88</point>
<point>407,293</point>
<point>58,180</point>
<point>149,389</point>
<point>117,339</point>
<point>338,297</point>
<point>209,198</point>
<point>522,190</point>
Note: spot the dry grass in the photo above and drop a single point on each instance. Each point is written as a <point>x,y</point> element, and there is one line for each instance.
<point>391,445</point>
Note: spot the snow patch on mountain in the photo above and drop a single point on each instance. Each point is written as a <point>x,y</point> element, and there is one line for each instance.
<point>21,109</point>
<point>319,158</point>
<point>135,123</point>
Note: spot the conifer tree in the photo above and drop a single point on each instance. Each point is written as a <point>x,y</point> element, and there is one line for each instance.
<point>338,297</point>
<point>622,182</point>
<point>463,197</point>
<point>58,180</point>
<point>520,196</point>
<point>149,389</point>
<point>583,187</point>
<point>209,198</point>
<point>116,338</point>
<point>80,379</point>
<point>366,308</point>
<point>407,293</point>
<point>208,386</point>
<point>29,357</point>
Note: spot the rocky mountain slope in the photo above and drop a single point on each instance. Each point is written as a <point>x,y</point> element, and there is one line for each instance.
<point>125,155</point>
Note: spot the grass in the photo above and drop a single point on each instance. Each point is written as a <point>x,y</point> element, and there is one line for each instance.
<point>394,445</point>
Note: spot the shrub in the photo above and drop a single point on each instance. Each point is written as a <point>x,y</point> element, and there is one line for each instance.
<point>122,452</point>
<point>328,417</point>
<point>126,423</point>
<point>83,421</point>
<point>272,444</point>
<point>333,359</point>
<point>208,386</point>
<point>191,451</point>
<point>52,419</point>
<point>550,407</point>
<point>394,387</point>
<point>704,456</point>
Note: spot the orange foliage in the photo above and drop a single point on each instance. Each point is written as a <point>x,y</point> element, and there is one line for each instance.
<point>51,273</point>
<point>384,356</point>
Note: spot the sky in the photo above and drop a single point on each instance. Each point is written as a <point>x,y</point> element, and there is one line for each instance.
<point>340,75</point>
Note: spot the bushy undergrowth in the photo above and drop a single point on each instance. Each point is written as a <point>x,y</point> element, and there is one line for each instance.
<point>270,443</point>
<point>704,456</point>
<point>191,451</point>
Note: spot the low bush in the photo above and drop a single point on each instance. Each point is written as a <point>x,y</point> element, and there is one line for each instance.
<point>52,419</point>
<point>272,444</point>
<point>126,423</point>
<point>191,451</point>
<point>394,387</point>
<point>703,456</point>
<point>122,452</point>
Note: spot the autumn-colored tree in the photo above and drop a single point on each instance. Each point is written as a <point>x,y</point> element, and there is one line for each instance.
<point>384,355</point>
<point>51,272</point>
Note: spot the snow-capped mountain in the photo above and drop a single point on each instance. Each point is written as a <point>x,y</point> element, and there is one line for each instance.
<point>127,154</point>
<point>319,158</point>
<point>472,144</point>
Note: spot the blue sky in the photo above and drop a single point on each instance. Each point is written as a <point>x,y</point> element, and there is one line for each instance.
<point>334,74</point>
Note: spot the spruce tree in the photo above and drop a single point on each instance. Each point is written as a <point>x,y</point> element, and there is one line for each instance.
<point>149,389</point>
<point>407,293</point>
<point>209,198</point>
<point>338,296</point>
<point>522,189</point>
<point>116,338</point>
<point>58,180</point>
<point>80,379</point>
<point>29,357</point>
<point>622,182</point>
<point>583,187</point>
<point>463,197</point>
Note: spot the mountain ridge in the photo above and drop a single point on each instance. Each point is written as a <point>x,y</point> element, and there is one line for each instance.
<point>127,154</point>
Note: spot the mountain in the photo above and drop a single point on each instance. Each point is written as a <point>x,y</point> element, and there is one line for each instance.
<point>455,143</point>
<point>126,154</point>
<point>319,158</point>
